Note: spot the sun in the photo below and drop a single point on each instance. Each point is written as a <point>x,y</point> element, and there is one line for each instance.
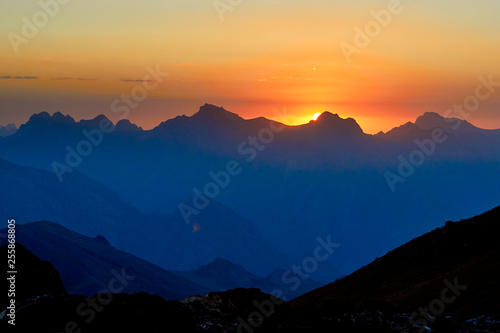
<point>316,115</point>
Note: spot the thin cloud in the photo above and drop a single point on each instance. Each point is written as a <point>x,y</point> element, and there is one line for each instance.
<point>73,78</point>
<point>52,59</point>
<point>133,80</point>
<point>8,77</point>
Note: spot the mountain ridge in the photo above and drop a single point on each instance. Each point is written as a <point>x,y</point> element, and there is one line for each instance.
<point>211,113</point>
<point>298,183</point>
<point>460,252</point>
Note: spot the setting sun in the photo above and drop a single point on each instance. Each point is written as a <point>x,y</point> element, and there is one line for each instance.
<point>316,115</point>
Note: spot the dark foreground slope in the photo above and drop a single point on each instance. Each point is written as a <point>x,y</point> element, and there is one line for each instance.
<point>444,281</point>
<point>35,278</point>
<point>413,275</point>
<point>42,306</point>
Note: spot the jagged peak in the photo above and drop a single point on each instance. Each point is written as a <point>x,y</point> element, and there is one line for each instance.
<point>42,115</point>
<point>406,130</point>
<point>407,126</point>
<point>56,117</point>
<point>328,115</point>
<point>126,126</point>
<point>215,112</point>
<point>95,122</point>
<point>431,120</point>
<point>336,123</point>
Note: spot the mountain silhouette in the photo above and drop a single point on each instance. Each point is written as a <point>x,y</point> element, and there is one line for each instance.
<point>301,182</point>
<point>87,264</point>
<point>334,123</point>
<point>7,130</point>
<point>457,264</point>
<point>35,277</point>
<point>412,275</point>
<point>431,120</point>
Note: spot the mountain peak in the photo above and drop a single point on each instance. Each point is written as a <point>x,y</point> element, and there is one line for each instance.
<point>40,116</point>
<point>59,117</point>
<point>125,125</point>
<point>94,123</point>
<point>43,121</point>
<point>328,116</point>
<point>8,130</point>
<point>403,132</point>
<point>56,117</point>
<point>210,111</point>
<point>430,120</point>
<point>333,122</point>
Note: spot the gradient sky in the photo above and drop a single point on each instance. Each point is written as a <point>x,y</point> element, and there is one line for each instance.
<point>263,55</point>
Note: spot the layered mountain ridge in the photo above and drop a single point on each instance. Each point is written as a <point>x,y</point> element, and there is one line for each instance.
<point>322,179</point>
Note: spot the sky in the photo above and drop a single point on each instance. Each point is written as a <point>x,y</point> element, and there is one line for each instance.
<point>251,57</point>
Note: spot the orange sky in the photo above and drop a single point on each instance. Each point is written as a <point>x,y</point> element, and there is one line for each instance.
<point>260,56</point>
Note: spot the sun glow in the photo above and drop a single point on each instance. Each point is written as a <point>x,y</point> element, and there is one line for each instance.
<point>316,115</point>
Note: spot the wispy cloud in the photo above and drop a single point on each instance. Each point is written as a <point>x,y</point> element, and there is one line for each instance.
<point>52,59</point>
<point>7,77</point>
<point>134,80</point>
<point>74,78</point>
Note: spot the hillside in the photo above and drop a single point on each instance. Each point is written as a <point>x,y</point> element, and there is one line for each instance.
<point>412,275</point>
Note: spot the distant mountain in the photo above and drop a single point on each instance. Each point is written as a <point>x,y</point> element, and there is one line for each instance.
<point>297,183</point>
<point>88,207</point>
<point>84,205</point>
<point>222,275</point>
<point>211,129</point>
<point>462,141</point>
<point>331,123</point>
<point>406,132</point>
<point>125,125</point>
<point>431,120</point>
<point>217,232</point>
<point>8,130</point>
<point>88,264</point>
<point>466,254</point>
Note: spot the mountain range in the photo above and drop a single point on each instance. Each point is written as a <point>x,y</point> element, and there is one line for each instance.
<point>291,185</point>
<point>86,265</point>
<point>89,208</point>
<point>443,281</point>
